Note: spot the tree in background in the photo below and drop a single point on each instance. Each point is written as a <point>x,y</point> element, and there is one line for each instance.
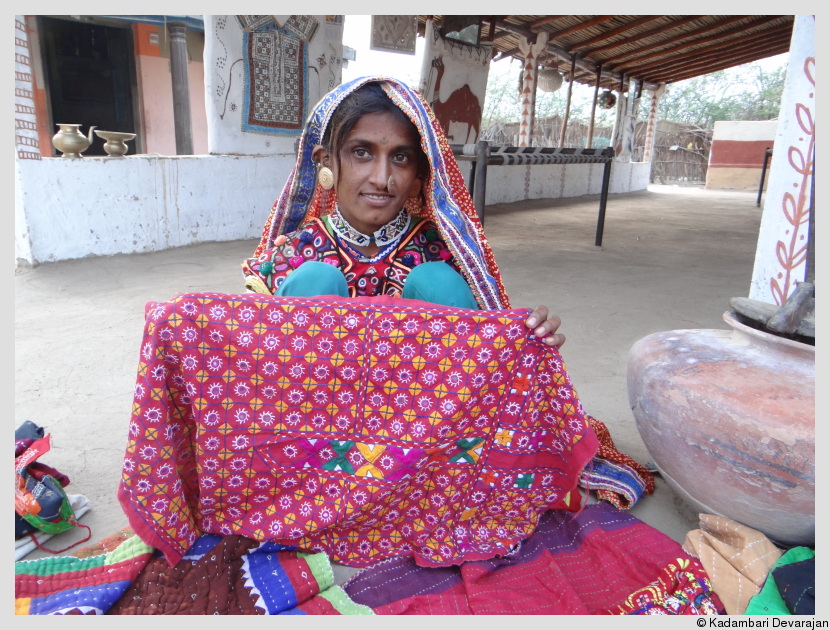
<point>743,93</point>
<point>747,92</point>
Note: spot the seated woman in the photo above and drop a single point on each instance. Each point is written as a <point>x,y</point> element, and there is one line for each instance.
<point>376,205</point>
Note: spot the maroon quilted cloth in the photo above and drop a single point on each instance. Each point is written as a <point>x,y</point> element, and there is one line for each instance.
<point>367,428</point>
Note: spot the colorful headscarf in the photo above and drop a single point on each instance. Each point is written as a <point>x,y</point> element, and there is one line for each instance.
<point>446,201</point>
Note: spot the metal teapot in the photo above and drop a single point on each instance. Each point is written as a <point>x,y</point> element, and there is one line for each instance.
<point>70,141</point>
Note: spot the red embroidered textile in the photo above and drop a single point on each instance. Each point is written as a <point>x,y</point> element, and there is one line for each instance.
<point>600,561</point>
<point>363,427</point>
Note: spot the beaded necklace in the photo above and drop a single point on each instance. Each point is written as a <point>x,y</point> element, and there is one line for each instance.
<point>388,234</point>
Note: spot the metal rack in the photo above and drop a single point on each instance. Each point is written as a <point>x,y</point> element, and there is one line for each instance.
<point>482,155</point>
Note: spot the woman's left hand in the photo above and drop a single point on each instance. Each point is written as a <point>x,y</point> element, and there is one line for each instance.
<point>545,327</point>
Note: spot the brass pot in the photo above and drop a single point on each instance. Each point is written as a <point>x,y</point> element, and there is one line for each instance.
<point>70,141</point>
<point>115,142</point>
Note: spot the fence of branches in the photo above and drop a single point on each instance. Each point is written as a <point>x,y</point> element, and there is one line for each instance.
<point>680,154</point>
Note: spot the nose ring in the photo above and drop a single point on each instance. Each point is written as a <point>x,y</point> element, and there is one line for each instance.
<point>390,183</point>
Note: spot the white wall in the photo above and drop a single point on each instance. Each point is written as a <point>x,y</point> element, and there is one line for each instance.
<point>68,209</point>
<point>744,130</point>
<point>100,206</point>
<point>506,184</point>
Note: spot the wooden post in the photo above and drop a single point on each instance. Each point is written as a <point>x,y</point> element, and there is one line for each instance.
<point>181,91</point>
<point>480,173</point>
<point>603,197</point>
<point>590,139</point>
<point>568,102</point>
<point>767,156</point>
<point>619,116</point>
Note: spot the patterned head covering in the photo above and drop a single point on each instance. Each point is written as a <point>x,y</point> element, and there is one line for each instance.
<point>445,199</point>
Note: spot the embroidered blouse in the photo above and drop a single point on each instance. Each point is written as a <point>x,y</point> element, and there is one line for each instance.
<point>382,274</point>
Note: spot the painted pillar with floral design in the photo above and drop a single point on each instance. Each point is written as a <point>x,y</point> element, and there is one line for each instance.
<point>781,255</point>
<point>651,124</point>
<point>530,73</point>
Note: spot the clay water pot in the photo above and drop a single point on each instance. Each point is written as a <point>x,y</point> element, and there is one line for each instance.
<point>728,416</point>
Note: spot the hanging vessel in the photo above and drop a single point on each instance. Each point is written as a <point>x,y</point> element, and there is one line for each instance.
<point>549,80</point>
<point>728,417</point>
<point>607,99</point>
<point>70,141</point>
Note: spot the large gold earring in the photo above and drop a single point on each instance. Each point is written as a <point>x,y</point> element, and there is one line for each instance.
<point>325,177</point>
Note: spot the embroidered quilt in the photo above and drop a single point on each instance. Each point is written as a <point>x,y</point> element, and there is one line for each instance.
<point>366,428</point>
<point>229,575</point>
<point>599,561</point>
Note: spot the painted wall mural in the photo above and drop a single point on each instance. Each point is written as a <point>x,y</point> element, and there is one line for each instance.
<point>781,255</point>
<point>454,82</point>
<point>265,72</point>
<point>394,33</point>
<point>276,69</point>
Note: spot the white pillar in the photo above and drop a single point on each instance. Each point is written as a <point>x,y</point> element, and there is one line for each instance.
<point>651,125</point>
<point>530,72</point>
<point>623,134</point>
<point>780,258</point>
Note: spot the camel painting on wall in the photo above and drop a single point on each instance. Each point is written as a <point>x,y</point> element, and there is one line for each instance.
<point>454,82</point>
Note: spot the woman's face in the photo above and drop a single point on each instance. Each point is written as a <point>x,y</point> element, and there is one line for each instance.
<point>379,145</point>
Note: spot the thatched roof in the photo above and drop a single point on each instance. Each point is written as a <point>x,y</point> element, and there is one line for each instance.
<point>651,49</point>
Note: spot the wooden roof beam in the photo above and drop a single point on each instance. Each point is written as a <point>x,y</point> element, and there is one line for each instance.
<point>681,37</point>
<point>695,72</point>
<point>714,52</point>
<point>636,38</point>
<point>717,61</point>
<point>545,20</point>
<point>614,32</point>
<point>561,53</point>
<point>714,37</point>
<point>581,27</point>
<point>506,53</point>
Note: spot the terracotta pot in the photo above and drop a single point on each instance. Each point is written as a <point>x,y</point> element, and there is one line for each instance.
<point>728,416</point>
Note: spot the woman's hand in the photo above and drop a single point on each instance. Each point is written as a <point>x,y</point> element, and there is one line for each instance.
<point>545,328</point>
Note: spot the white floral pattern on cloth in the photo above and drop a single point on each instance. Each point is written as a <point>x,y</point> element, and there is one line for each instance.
<point>365,428</point>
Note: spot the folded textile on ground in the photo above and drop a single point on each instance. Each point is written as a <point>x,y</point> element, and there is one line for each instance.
<point>790,587</point>
<point>226,576</point>
<point>86,584</point>
<point>738,558</point>
<point>367,428</point>
<point>24,546</point>
<point>614,476</point>
<point>597,561</point>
